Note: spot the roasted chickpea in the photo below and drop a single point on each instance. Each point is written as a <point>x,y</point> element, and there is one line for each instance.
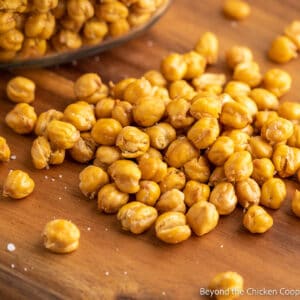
<point>263,169</point>
<point>259,147</point>
<point>21,118</point>
<point>106,155</point>
<point>209,82</point>
<point>20,89</point>
<point>44,5</point>
<point>111,11</point>
<point>273,193</point>
<point>181,89</point>
<point>4,150</point>
<point>238,54</point>
<point>195,191</point>
<point>196,64</point>
<point>110,199</point>
<point>161,93</point>
<point>59,11</point>
<point>126,175</point>
<point>264,117</point>
<point>208,47</point>
<point>137,89</point>
<point>277,81</point>
<point>150,153</point>
<point>104,108</point>
<point>71,25</point>
<point>205,106</point>
<point>155,78</point>
<point>152,168</point>
<point>249,103</point>
<point>257,220</point>
<point>248,72</point>
<point>289,110</point>
<point>118,89</point>
<point>294,140</point>
<point>144,6</point>
<point>217,176</point>
<point>237,10</point>
<point>94,31</point>
<point>57,156</point>
<point>7,21</point>
<point>66,40</point>
<point>296,203</point>
<point>80,10</point>
<point>236,88</point>
<point>137,217</point>
<point>238,166</point>
<point>149,192</point>
<point>174,179</point>
<point>172,200</point>
<point>202,217</point>
<point>40,152</point>
<point>12,40</point>
<point>44,119</point>
<point>292,31</point>
<point>18,184</point>
<point>174,67</point>
<point>33,47</point>
<point>239,138</point>
<point>122,112</point>
<point>197,169</point>
<point>171,228</point>
<point>264,99</point>
<point>40,25</point>
<point>248,192</point>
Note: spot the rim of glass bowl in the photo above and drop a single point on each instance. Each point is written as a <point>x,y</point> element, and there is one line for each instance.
<point>85,51</point>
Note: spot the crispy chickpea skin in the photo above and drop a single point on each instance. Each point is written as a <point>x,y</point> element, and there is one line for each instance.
<point>155,78</point>
<point>202,217</point>
<point>7,21</point>
<point>21,118</point>
<point>44,119</point>
<point>33,47</point>
<point>259,147</point>
<point>149,192</point>
<point>110,199</point>
<point>4,150</point>
<point>137,217</point>
<point>229,285</point>
<point>174,67</point>
<point>205,106</point>
<point>217,176</point>
<point>106,155</point>
<point>197,169</point>
<point>61,236</point>
<point>111,11</point>
<point>172,200</point>
<point>248,192</point>
<point>238,54</point>
<point>263,169</point>
<point>208,47</point>
<point>20,89</point>
<point>18,184</point>
<point>273,193</point>
<point>122,112</point>
<point>174,179</point>
<point>289,110</point>
<point>264,117</point>
<point>126,175</point>
<point>80,10</point>
<point>292,31</point>
<point>294,140</point>
<point>208,80</point>
<point>237,88</point>
<point>264,99</point>
<point>153,168</point>
<point>12,40</point>
<point>40,152</point>
<point>236,9</point>
<point>94,31</point>
<point>104,108</point>
<point>238,166</point>
<point>150,153</point>
<point>195,191</point>
<point>135,90</point>
<point>196,64</point>
<point>181,89</point>
<point>171,228</point>
<point>118,89</point>
<point>224,198</point>
<point>61,134</point>
<point>66,40</point>
<point>249,103</point>
<point>248,72</point>
<point>91,179</point>
<point>239,138</point>
<point>296,203</point>
<point>257,220</point>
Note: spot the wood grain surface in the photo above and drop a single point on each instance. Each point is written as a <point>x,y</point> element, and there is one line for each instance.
<point>112,264</point>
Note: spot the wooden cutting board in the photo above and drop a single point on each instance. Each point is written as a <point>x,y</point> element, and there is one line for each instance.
<point>110,263</point>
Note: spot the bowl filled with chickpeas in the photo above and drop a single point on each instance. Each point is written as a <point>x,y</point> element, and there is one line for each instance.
<point>43,33</point>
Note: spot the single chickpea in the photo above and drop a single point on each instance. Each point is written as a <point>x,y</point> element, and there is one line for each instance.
<point>153,168</point>
<point>18,184</point>
<point>236,9</point>
<point>66,40</point>
<point>282,50</point>
<point>161,135</point>
<point>118,89</point>
<point>248,72</point>
<point>181,89</point>
<point>264,99</point>
<point>70,25</point>
<point>33,47</point>
<point>104,108</point>
<point>44,5</point>
<point>220,150</point>
<point>122,112</point>
<point>205,106</point>
<point>149,192</point>
<point>174,67</point>
<point>228,285</point>
<point>259,147</point>
<point>92,178</point>
<point>196,64</point>
<point>273,193</point>
<point>161,93</point>
<point>44,119</point>
<point>119,28</point>
<point>94,31</point>
<point>106,155</point>
<point>80,10</point>
<point>238,166</point>
<point>239,138</point>
<point>178,113</point>
<point>40,152</point>
<point>21,118</point>
<point>111,11</point>
<point>289,110</point>
<point>172,200</point>
<point>209,82</point>
<point>202,217</point>
<point>20,89</point>
<point>137,89</point>
<point>248,192</point>
<point>292,31</point>
<point>217,176</point>
<point>136,19</point>
<point>237,88</point>
<point>150,153</point>
<point>110,199</point>
<point>249,103</point>
<point>263,169</point>
<point>171,228</point>
<point>277,131</point>
<point>12,40</point>
<point>126,175</point>
<point>257,220</point>
<point>197,169</point>
<point>105,131</point>
<point>155,78</point>
<point>4,150</point>
<point>208,47</point>
<point>61,236</point>
<point>238,54</point>
<point>195,191</point>
<point>174,179</point>
<point>296,203</point>
<point>264,117</point>
<point>294,140</point>
<point>17,5</point>
<point>277,81</point>
<point>137,217</point>
<point>204,132</point>
<point>7,21</point>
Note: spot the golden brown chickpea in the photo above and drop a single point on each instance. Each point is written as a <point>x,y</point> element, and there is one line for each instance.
<point>80,10</point>
<point>126,175</point>
<point>118,89</point>
<point>237,88</point>
<point>122,112</point>
<point>92,178</point>
<point>197,169</point>
<point>181,89</point>
<point>179,152</point>
<point>57,156</point>
<point>172,200</point>
<point>238,166</point>
<point>119,28</point>
<point>161,135</point>
<point>174,179</point>
<point>259,147</point>
<point>66,40</point>
<point>20,89</point>
<point>110,199</point>
<point>33,47</point>
<point>111,11</point>
<point>292,31</point>
<point>137,89</point>
<point>95,30</point>
<point>150,153</point>
<point>294,140</point>
<point>40,152</point>
<point>16,5</point>
<point>178,113</point>
<point>248,130</point>
<point>59,11</point>
<point>277,81</point>
<point>208,47</point>
<point>277,131</point>
<point>155,78</point>
<point>239,138</point>
<point>195,191</point>
<point>273,193</point>
<point>144,6</point>
<point>137,217</point>
<point>196,64</point>
<point>205,106</point>
<point>263,169</point>
<point>264,117</point>
<point>202,217</point>
<point>217,176</point>
<point>7,21</point>
<point>248,72</point>
<point>132,142</point>
<point>71,24</point>
<point>4,150</point>
<point>105,131</point>
<point>12,40</point>
<point>257,220</point>
<point>171,228</point>
<point>264,99</point>
<point>174,67</point>
<point>296,203</point>
<point>44,5</point>
<point>238,54</point>
<point>204,132</point>
<point>106,155</point>
<point>237,10</point>
<point>248,192</point>
<point>104,108</point>
<point>289,110</point>
<point>149,192</point>
<point>282,50</point>
<point>21,118</point>
<point>220,150</point>
<point>44,119</point>
<point>249,103</point>
<point>40,25</point>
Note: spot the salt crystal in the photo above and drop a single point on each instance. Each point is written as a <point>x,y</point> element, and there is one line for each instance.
<point>117,249</point>
<point>59,198</point>
<point>52,179</point>
<point>125,273</point>
<point>106,273</point>
<point>25,269</point>
<point>12,266</point>
<point>11,247</point>
<point>163,293</point>
<point>47,167</point>
<point>13,157</point>
<point>89,229</point>
<point>222,246</point>
<point>60,176</point>
<point>106,229</point>
<point>65,187</point>
<point>150,43</point>
<point>46,177</point>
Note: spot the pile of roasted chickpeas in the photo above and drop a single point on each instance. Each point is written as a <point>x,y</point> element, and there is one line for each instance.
<point>34,28</point>
<point>175,149</point>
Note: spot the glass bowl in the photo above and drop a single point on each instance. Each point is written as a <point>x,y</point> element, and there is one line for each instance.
<point>85,51</point>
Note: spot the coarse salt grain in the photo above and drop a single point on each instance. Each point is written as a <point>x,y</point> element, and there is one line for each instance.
<point>221,246</point>
<point>106,229</point>
<point>25,269</point>
<point>13,157</point>
<point>89,229</point>
<point>46,177</point>
<point>60,176</point>
<point>125,273</point>
<point>52,179</point>
<point>106,273</point>
<point>59,198</point>
<point>12,266</point>
<point>11,247</point>
<point>163,293</point>
<point>65,187</point>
